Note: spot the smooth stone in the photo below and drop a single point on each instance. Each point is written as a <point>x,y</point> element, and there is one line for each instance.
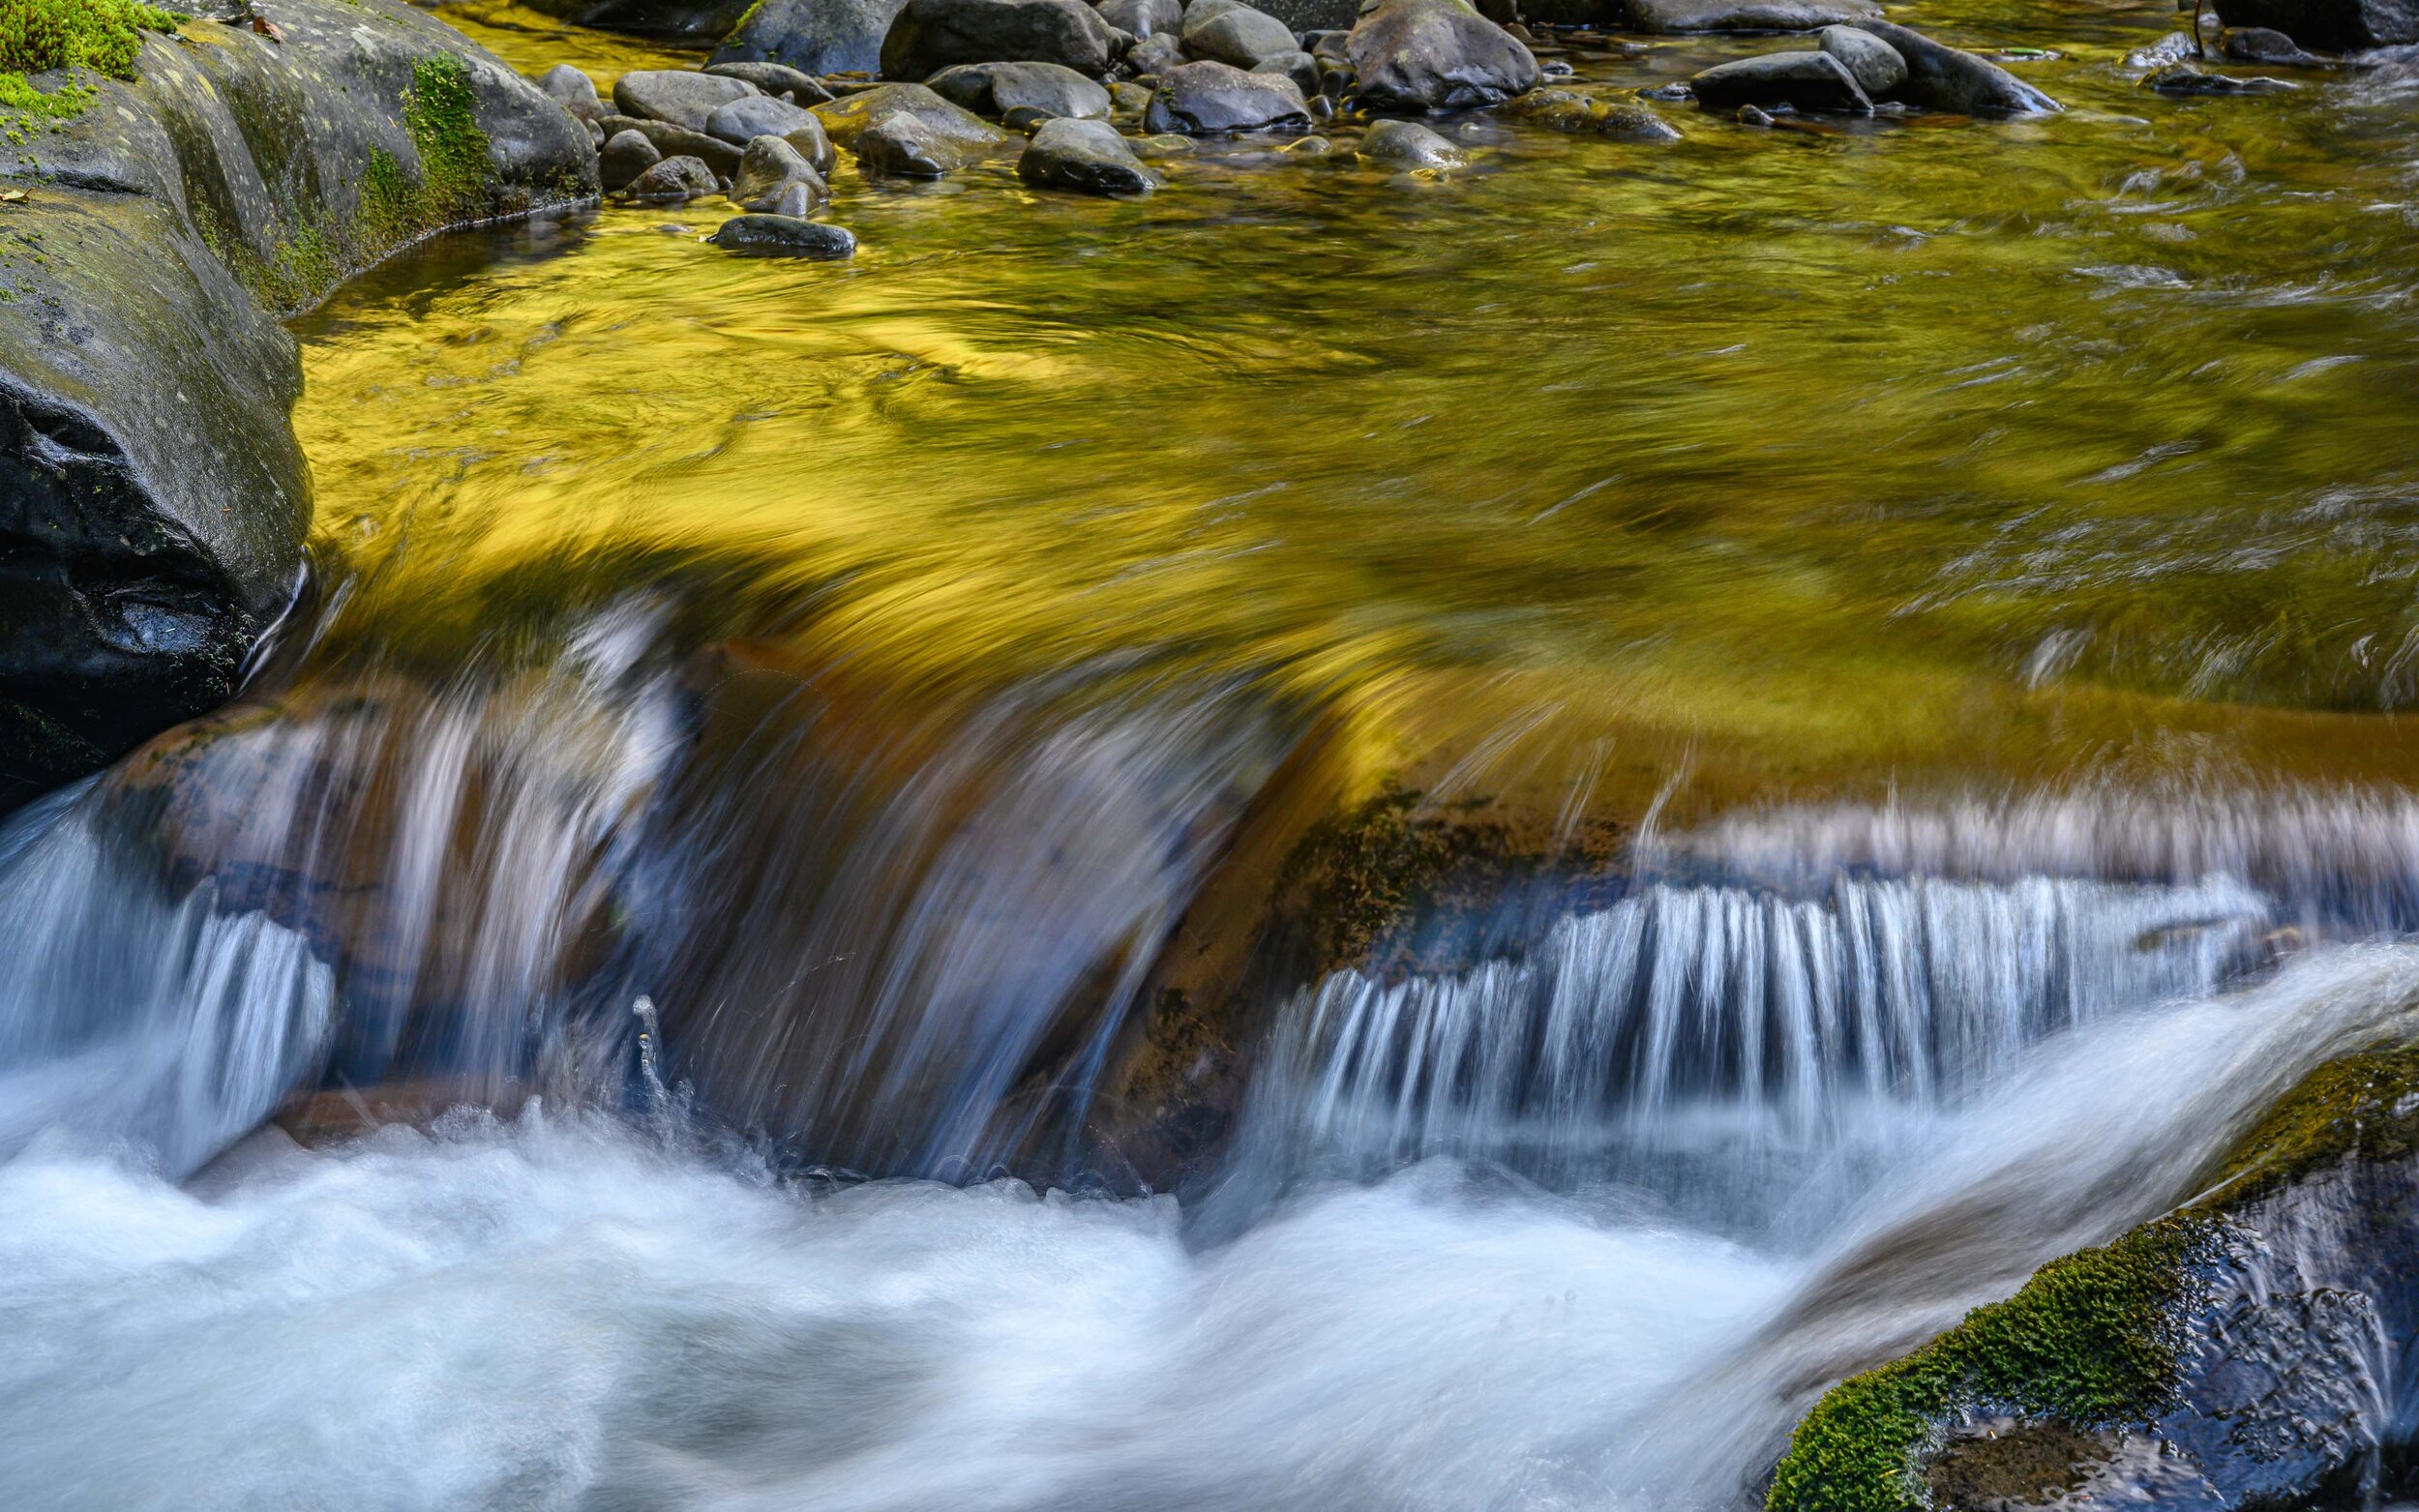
<point>767,164</point>
<point>1680,17</point>
<point>676,94</point>
<point>574,90</point>
<point>1140,18</point>
<point>1240,35</point>
<point>1201,12</point>
<point>673,181</point>
<point>625,156</point>
<point>1207,98</point>
<point>1940,77</point>
<point>799,198</point>
<point>2181,78</point>
<point>1406,144</point>
<point>1754,116</point>
<point>1084,157</point>
<point>2329,25</point>
<point>997,89</point>
<point>1299,67</point>
<point>2262,45</point>
<point>1583,115</point>
<point>743,121</point>
<point>776,78</point>
<point>1808,80</point>
<point>1129,100</point>
<point>818,37</point>
<point>1308,147</point>
<point>846,118</point>
<point>901,146</point>
<point>1154,54</point>
<point>1874,63</point>
<point>784,236</point>
<point>1422,55</point>
<point>674,141</point>
<point>932,35</point>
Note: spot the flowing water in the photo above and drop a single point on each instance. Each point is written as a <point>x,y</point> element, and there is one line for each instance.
<point>1931,604</point>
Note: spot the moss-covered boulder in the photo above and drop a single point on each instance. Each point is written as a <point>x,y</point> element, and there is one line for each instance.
<point>2242,1351</point>
<point>166,196</point>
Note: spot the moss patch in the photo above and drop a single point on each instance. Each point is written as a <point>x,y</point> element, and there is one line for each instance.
<point>2361,1105</point>
<point>441,114</point>
<point>39,36</point>
<point>1365,871</point>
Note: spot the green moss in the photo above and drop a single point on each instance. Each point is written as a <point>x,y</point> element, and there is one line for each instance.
<point>1363,872</point>
<point>441,114</point>
<point>39,36</point>
<point>2093,1340</point>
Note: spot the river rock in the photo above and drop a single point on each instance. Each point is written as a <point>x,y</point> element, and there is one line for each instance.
<point>845,119</point>
<point>743,121</point>
<point>1940,77</point>
<point>1682,16</point>
<point>572,90</point>
<point>1154,55</point>
<point>153,497</point>
<point>1406,144</point>
<point>678,141</point>
<point>1816,81</point>
<point>1207,99</point>
<point>1140,18</point>
<point>1299,67</point>
<point>1583,115</point>
<point>2261,45</point>
<point>1419,55</point>
<point>784,236</point>
<point>1872,62</point>
<point>2182,79</point>
<point>1084,157</point>
<point>768,163</point>
<point>2330,26</point>
<point>995,89</point>
<point>778,80</point>
<point>624,157</point>
<point>671,182</point>
<point>932,35</point>
<point>1239,35</point>
<point>677,96</point>
<point>820,37</point>
<point>901,146</point>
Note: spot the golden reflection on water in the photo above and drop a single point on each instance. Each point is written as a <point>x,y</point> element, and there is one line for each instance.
<point>1821,460</point>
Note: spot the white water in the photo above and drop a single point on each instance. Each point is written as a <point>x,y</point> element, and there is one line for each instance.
<point>565,1313</point>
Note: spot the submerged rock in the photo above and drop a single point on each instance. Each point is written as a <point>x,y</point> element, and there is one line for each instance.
<point>1420,55</point>
<point>1587,115</point>
<point>1084,157</point>
<point>1406,144</point>
<point>1207,98</point>
<point>932,35</point>
<point>818,37</point>
<point>784,236</point>
<point>2234,1352</point>
<point>674,181</point>
<point>1682,16</point>
<point>1940,77</point>
<point>2330,26</point>
<point>677,96</point>
<point>152,498</point>
<point>1814,82</point>
<point>993,89</point>
<point>846,119</point>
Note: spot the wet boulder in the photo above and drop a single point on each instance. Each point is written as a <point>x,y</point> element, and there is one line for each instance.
<point>995,89</point>
<point>1683,17</point>
<point>1420,55</point>
<point>674,181</point>
<point>1812,82</point>
<point>767,168</point>
<point>847,119</point>
<point>932,35</point>
<point>743,121</point>
<point>818,37</point>
<point>1586,115</point>
<point>152,498</point>
<point>784,236</point>
<point>1086,158</point>
<point>1406,144</point>
<point>1209,99</point>
<point>777,79</point>
<point>1941,78</point>
<point>2261,45</point>
<point>2330,26</point>
<point>1239,35</point>
<point>1143,18</point>
<point>625,156</point>
<point>1872,62</point>
<point>676,96</point>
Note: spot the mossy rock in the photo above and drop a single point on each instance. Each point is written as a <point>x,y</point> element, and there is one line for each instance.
<point>2184,1359</point>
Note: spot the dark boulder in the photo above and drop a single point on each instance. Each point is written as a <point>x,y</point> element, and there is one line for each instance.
<point>625,156</point>
<point>1419,55</point>
<point>778,80</point>
<point>1083,158</point>
<point>677,96</point>
<point>995,89</point>
<point>784,236</point>
<point>2182,79</point>
<point>674,181</point>
<point>818,37</point>
<point>152,498</point>
<point>1682,16</point>
<point>2259,45</point>
<point>1940,77</point>
<point>2330,26</point>
<point>846,119</point>
<point>1874,63</point>
<point>1209,99</point>
<point>932,35</point>
<point>1239,35</point>
<point>1814,82</point>
<point>1143,18</point>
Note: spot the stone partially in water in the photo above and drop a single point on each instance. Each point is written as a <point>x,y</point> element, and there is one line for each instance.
<point>1406,144</point>
<point>818,37</point>
<point>1209,99</point>
<point>1941,78</point>
<point>2184,79</point>
<point>2261,45</point>
<point>1587,115</point>
<point>1814,82</point>
<point>1874,63</point>
<point>1086,158</point>
<point>932,35</point>
<point>901,146</point>
<point>1422,56</point>
<point>993,89</point>
<point>625,156</point>
<point>768,165</point>
<point>1682,16</point>
<point>846,118</point>
<point>2330,26</point>
<point>676,96</point>
<point>784,236</point>
<point>671,182</point>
